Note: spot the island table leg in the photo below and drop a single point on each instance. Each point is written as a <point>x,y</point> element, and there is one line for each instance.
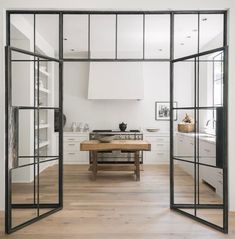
<point>94,164</point>
<point>137,165</point>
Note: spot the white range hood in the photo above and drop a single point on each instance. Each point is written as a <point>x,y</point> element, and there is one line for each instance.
<point>116,80</point>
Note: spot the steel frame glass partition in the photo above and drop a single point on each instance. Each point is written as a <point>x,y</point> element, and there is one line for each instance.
<point>116,58</point>
<point>198,161</point>
<point>195,205</point>
<point>33,203</point>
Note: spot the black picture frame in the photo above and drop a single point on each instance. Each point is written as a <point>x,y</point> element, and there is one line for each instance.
<point>164,107</point>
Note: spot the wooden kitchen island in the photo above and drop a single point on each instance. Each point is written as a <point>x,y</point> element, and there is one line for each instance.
<point>94,146</point>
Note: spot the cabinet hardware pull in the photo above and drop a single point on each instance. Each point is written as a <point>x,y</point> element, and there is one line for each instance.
<point>72,153</point>
<point>71,139</point>
<point>160,144</point>
<point>207,150</point>
<point>71,144</point>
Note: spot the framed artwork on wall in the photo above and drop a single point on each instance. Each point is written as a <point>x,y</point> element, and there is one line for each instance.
<point>162,110</point>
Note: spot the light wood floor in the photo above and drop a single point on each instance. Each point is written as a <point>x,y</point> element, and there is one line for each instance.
<point>116,206</point>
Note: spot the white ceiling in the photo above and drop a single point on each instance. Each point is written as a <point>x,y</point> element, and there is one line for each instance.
<point>130,34</point>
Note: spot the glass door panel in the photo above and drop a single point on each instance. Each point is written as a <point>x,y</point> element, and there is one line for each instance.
<point>198,158</point>
<point>34,160</point>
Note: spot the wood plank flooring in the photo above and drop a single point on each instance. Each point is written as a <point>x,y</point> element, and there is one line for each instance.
<point>115,206</point>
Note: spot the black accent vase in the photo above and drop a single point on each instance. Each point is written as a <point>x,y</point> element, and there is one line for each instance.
<point>56,120</point>
<point>122,126</point>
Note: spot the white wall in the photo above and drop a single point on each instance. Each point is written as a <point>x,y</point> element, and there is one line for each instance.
<point>105,114</point>
<point>127,5</point>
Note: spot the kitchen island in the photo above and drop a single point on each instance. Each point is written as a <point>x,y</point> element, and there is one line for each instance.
<point>94,146</point>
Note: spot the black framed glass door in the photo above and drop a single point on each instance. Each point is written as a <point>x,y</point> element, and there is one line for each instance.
<point>33,148</point>
<point>198,170</point>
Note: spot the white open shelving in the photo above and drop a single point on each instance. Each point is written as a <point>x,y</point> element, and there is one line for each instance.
<point>43,144</point>
<point>43,126</point>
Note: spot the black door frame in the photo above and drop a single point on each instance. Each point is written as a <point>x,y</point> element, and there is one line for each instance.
<point>13,119</point>
<point>143,59</point>
<point>221,143</point>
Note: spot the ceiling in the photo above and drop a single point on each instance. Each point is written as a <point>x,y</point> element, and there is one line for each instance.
<point>130,34</point>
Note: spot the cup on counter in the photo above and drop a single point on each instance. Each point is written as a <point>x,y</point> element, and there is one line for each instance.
<point>74,127</point>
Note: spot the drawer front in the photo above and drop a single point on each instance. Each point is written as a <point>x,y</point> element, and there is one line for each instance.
<point>75,139</point>
<point>74,157</point>
<point>161,146</point>
<point>208,160</point>
<point>152,139</point>
<point>208,174</point>
<point>207,149</point>
<point>72,146</point>
<point>155,157</point>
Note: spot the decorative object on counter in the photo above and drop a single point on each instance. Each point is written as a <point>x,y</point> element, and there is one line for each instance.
<point>162,110</point>
<point>74,127</point>
<point>187,125</point>
<point>106,138</point>
<point>81,127</point>
<point>122,126</point>
<point>152,130</point>
<point>57,121</point>
<point>86,127</point>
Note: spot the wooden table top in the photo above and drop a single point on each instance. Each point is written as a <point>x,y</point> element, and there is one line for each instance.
<point>134,145</point>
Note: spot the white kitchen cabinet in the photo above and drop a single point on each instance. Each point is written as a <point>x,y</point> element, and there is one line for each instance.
<point>184,146</point>
<point>159,148</point>
<point>72,153</point>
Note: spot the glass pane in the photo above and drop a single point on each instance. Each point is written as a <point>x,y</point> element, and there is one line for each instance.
<point>48,85</point>
<point>211,31</point>
<point>185,35</point>
<point>75,30</point>
<point>184,182</point>
<point>184,83</point>
<point>157,36</point>
<point>47,34</point>
<point>49,184</point>
<point>210,187</point>
<point>103,36</point>
<point>47,141</point>
<point>26,133</point>
<point>211,80</point>
<point>130,36</point>
<point>22,31</point>
<point>214,216</point>
<point>24,191</point>
<point>22,75</point>
<point>184,139</point>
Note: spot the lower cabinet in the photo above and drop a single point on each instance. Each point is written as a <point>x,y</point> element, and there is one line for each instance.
<point>159,148</point>
<point>184,148</point>
<point>72,153</point>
